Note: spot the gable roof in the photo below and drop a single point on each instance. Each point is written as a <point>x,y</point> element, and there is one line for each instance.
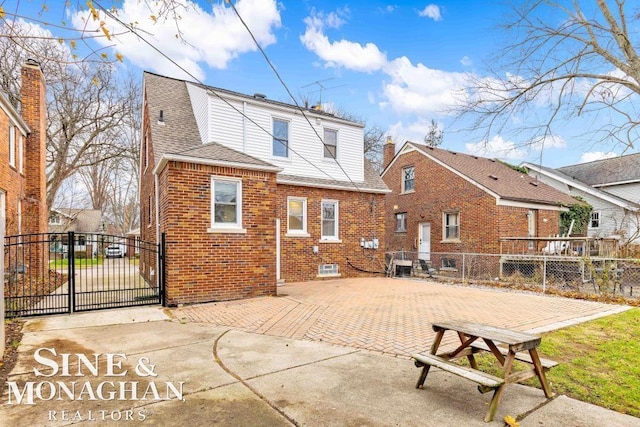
<point>178,137</point>
<point>494,177</point>
<point>571,182</point>
<point>84,220</point>
<point>615,170</point>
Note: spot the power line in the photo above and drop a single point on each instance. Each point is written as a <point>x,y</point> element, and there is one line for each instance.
<point>291,95</point>
<point>210,90</point>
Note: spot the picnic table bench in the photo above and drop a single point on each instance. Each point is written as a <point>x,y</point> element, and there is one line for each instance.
<point>475,338</point>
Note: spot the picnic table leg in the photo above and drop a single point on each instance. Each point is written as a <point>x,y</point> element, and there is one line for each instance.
<point>497,395</point>
<point>434,349</point>
<point>537,366</point>
<point>470,358</point>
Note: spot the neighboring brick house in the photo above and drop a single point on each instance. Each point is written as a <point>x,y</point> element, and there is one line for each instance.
<point>449,202</point>
<point>22,150</point>
<point>23,207</point>
<point>610,186</point>
<point>247,195</point>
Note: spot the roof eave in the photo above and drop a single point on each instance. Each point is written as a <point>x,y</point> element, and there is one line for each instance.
<point>166,158</point>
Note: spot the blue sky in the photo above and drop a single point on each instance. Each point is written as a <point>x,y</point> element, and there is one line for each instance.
<point>396,66</point>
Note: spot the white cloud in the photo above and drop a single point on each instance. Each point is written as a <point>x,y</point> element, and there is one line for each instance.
<point>548,141</point>
<point>496,148</point>
<point>413,132</point>
<point>420,89</point>
<point>466,61</point>
<point>342,53</point>
<point>596,155</point>
<point>431,11</point>
<point>214,38</point>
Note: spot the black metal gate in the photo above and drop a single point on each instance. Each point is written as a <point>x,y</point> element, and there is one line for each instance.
<point>69,272</point>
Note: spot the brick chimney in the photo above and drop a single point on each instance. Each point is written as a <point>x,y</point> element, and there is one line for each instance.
<point>34,113</point>
<point>388,152</point>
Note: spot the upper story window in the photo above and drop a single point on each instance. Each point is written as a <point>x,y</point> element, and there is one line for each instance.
<point>595,220</point>
<point>280,138</point>
<point>330,144</point>
<point>329,220</point>
<point>226,204</point>
<point>408,176</point>
<point>451,226</point>
<point>296,215</point>
<point>55,219</point>
<point>401,222</point>
<point>12,145</point>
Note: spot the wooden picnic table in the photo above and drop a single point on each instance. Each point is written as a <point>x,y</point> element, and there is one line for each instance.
<point>474,338</point>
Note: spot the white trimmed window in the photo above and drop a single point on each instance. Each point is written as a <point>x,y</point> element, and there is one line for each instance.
<point>451,226</point>
<point>401,222</point>
<point>408,177</point>
<point>55,219</point>
<point>594,222</point>
<point>297,215</point>
<point>330,144</point>
<point>12,145</point>
<point>280,138</point>
<point>329,220</point>
<point>226,204</point>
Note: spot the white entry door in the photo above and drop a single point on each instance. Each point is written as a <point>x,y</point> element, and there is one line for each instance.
<point>424,239</point>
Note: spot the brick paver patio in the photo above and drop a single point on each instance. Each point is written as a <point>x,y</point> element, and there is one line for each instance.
<point>390,316</point>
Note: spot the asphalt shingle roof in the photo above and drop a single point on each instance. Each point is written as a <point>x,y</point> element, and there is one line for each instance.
<point>498,177</point>
<point>606,171</point>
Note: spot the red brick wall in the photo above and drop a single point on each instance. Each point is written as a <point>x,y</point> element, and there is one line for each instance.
<point>205,266</point>
<point>361,215</point>
<point>11,181</point>
<point>34,210</point>
<point>437,190</point>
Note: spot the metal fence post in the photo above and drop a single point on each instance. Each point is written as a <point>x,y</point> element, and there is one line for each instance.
<point>463,266</point>
<point>544,274</point>
<point>71,270</point>
<point>162,271</point>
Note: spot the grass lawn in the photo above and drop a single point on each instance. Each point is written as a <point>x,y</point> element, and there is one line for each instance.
<point>599,362</point>
<point>79,262</point>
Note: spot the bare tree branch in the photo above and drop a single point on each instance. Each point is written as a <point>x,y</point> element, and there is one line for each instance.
<point>567,60</point>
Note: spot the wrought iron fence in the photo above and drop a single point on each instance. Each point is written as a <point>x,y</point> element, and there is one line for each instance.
<point>579,274</point>
<point>66,272</point>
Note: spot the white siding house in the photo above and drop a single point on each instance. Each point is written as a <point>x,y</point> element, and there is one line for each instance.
<point>616,205</point>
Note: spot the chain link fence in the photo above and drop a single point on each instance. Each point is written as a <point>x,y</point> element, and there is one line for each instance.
<point>615,277</point>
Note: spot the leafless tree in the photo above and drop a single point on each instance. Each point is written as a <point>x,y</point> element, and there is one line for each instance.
<point>87,105</point>
<point>374,139</point>
<point>568,59</point>
<point>434,136</point>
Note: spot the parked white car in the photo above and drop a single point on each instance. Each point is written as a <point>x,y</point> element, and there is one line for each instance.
<point>114,251</point>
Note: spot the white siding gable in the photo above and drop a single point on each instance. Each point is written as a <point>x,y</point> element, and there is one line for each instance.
<point>226,125</point>
<point>199,100</point>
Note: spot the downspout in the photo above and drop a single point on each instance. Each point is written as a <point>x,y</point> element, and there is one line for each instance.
<point>157,191</point>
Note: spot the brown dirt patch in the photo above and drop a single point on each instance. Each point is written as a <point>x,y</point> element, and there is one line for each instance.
<point>13,336</point>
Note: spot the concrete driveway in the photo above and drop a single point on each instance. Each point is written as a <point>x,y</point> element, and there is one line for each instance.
<point>390,316</point>
<point>237,363</point>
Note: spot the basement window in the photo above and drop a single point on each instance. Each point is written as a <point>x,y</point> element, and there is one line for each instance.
<point>325,270</point>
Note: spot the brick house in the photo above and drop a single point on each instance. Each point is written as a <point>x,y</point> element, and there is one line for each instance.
<point>23,186</point>
<point>247,195</point>
<point>449,202</point>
